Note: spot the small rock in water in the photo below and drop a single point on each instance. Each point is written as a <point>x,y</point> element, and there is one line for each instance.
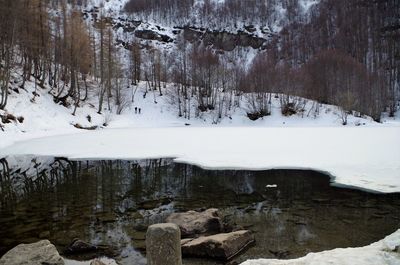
<point>197,223</point>
<point>80,246</point>
<point>221,246</point>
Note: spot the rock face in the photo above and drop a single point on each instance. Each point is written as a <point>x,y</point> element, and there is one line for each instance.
<point>163,245</point>
<point>197,223</point>
<point>220,246</point>
<point>224,40</point>
<point>152,35</point>
<point>42,252</point>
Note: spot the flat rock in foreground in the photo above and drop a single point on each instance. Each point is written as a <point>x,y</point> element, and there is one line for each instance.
<point>197,223</point>
<point>221,246</point>
<point>39,253</point>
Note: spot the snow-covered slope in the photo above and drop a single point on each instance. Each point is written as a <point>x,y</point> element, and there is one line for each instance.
<point>43,117</point>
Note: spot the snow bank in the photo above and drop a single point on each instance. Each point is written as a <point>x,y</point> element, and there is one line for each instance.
<point>385,251</point>
<point>363,157</point>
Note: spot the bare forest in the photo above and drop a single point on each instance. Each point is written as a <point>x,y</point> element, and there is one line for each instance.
<point>342,52</point>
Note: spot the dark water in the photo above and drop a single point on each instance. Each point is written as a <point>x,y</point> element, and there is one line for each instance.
<point>112,203</point>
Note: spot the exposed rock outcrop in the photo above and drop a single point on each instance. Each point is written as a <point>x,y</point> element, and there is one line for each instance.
<point>224,40</point>
<point>152,35</point>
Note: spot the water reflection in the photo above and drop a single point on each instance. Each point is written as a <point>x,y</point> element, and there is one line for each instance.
<point>292,212</point>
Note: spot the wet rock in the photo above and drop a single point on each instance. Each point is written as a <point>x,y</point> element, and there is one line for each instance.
<point>221,246</point>
<point>80,246</point>
<point>39,253</point>
<point>163,245</point>
<point>197,223</point>
<point>80,249</point>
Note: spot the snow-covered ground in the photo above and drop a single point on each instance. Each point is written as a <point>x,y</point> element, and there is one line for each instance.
<point>385,251</point>
<point>363,154</point>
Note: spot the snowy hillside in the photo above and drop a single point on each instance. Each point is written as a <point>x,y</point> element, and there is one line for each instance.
<point>43,117</point>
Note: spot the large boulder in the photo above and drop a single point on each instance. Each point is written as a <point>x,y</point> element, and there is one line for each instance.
<point>194,223</point>
<point>39,253</point>
<point>221,246</point>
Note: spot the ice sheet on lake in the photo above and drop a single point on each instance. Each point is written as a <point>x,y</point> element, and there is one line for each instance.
<point>363,157</point>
